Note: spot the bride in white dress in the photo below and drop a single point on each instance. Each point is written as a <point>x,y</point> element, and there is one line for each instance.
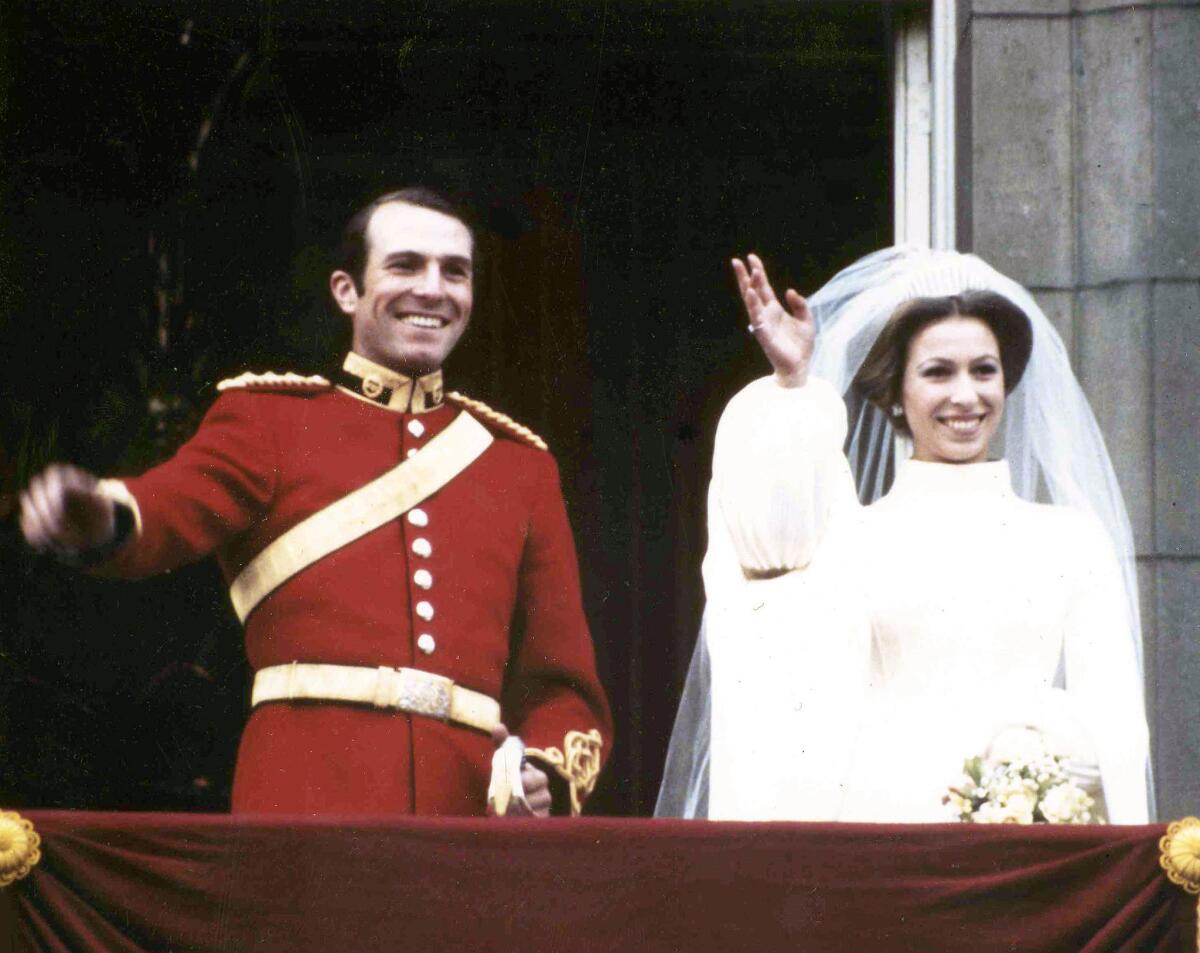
<point>852,657</point>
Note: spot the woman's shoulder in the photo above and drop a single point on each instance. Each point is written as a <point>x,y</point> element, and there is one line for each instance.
<point>1071,534</point>
<point>1061,516</point>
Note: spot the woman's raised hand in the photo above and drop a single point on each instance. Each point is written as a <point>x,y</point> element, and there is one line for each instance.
<point>785,335</point>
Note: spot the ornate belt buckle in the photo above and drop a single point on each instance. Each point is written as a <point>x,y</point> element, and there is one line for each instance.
<point>424,693</point>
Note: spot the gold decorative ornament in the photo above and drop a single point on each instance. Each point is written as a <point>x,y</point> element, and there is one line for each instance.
<point>583,761</point>
<point>1179,856</point>
<point>360,511</point>
<point>1180,853</point>
<point>579,766</point>
<point>365,379</point>
<point>289,380</point>
<point>20,847</point>
<point>503,421</point>
<point>372,386</point>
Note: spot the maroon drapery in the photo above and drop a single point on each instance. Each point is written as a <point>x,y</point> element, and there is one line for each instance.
<point>142,882</point>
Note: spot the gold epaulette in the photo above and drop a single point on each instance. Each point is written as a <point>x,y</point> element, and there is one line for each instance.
<point>288,381</point>
<point>500,421</point>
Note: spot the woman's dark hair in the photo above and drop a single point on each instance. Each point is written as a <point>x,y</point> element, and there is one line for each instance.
<point>354,235</point>
<point>881,377</point>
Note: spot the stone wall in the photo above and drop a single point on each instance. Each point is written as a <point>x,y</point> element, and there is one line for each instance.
<point>1080,122</point>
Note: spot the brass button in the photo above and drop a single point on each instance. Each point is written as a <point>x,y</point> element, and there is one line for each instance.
<point>423,578</point>
<point>418,517</point>
<point>372,386</point>
<point>426,643</point>
<point>422,547</point>
<point>425,610</point>
<point>416,428</point>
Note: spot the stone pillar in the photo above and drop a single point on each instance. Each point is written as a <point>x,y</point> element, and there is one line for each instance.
<point>1082,175</point>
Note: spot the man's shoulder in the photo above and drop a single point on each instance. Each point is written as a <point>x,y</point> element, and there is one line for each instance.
<point>499,423</point>
<point>288,382</point>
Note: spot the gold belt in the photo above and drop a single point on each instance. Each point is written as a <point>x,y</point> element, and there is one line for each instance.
<point>399,689</point>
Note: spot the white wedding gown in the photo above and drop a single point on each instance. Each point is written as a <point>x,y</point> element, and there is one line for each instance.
<point>860,654</point>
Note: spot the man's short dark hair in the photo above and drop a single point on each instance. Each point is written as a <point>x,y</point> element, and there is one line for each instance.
<point>354,235</point>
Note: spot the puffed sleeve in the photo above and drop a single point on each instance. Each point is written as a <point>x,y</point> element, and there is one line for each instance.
<point>214,487</point>
<point>1102,676</point>
<point>787,646</point>
<point>552,696</point>
<point>779,475</point>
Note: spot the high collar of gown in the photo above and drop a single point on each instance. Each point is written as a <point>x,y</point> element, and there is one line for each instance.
<point>982,481</point>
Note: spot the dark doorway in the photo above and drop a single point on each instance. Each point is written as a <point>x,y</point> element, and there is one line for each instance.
<point>172,178</point>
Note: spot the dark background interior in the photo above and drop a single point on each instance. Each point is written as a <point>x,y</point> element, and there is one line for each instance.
<point>173,179</point>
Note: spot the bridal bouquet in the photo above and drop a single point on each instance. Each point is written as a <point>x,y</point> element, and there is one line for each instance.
<point>1019,784</point>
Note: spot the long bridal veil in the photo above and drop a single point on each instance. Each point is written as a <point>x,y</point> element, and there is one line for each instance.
<point>1049,436</point>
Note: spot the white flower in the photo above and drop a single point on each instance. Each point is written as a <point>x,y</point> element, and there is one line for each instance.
<point>994,812</point>
<point>1019,790</point>
<point>958,804</point>
<point>1020,806</point>
<point>989,812</point>
<point>1067,804</point>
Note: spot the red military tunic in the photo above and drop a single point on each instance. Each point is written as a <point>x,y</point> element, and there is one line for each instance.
<point>490,555</point>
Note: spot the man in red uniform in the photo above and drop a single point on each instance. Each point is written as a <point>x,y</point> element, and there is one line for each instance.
<point>400,556</point>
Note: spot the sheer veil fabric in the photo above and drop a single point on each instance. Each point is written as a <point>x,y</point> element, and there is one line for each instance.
<point>1049,437</point>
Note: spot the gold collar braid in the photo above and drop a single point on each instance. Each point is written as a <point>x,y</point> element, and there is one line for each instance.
<point>380,385</point>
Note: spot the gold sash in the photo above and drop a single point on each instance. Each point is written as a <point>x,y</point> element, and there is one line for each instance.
<point>360,512</point>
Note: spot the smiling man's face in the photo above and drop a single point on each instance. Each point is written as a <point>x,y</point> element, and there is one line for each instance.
<point>416,294</point>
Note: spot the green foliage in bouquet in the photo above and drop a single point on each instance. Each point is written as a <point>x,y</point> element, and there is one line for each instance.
<point>1035,788</point>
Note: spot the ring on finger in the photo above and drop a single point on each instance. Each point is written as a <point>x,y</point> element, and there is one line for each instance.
<point>754,328</point>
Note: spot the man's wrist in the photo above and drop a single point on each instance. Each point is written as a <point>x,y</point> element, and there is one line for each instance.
<point>792,380</point>
<point>560,789</point>
<point>124,523</point>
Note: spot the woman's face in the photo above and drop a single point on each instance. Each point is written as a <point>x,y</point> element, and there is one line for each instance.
<point>953,390</point>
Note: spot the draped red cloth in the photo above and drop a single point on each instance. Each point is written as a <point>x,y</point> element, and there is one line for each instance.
<point>143,882</point>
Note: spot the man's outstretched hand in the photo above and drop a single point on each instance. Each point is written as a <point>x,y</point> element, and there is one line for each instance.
<point>64,512</point>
